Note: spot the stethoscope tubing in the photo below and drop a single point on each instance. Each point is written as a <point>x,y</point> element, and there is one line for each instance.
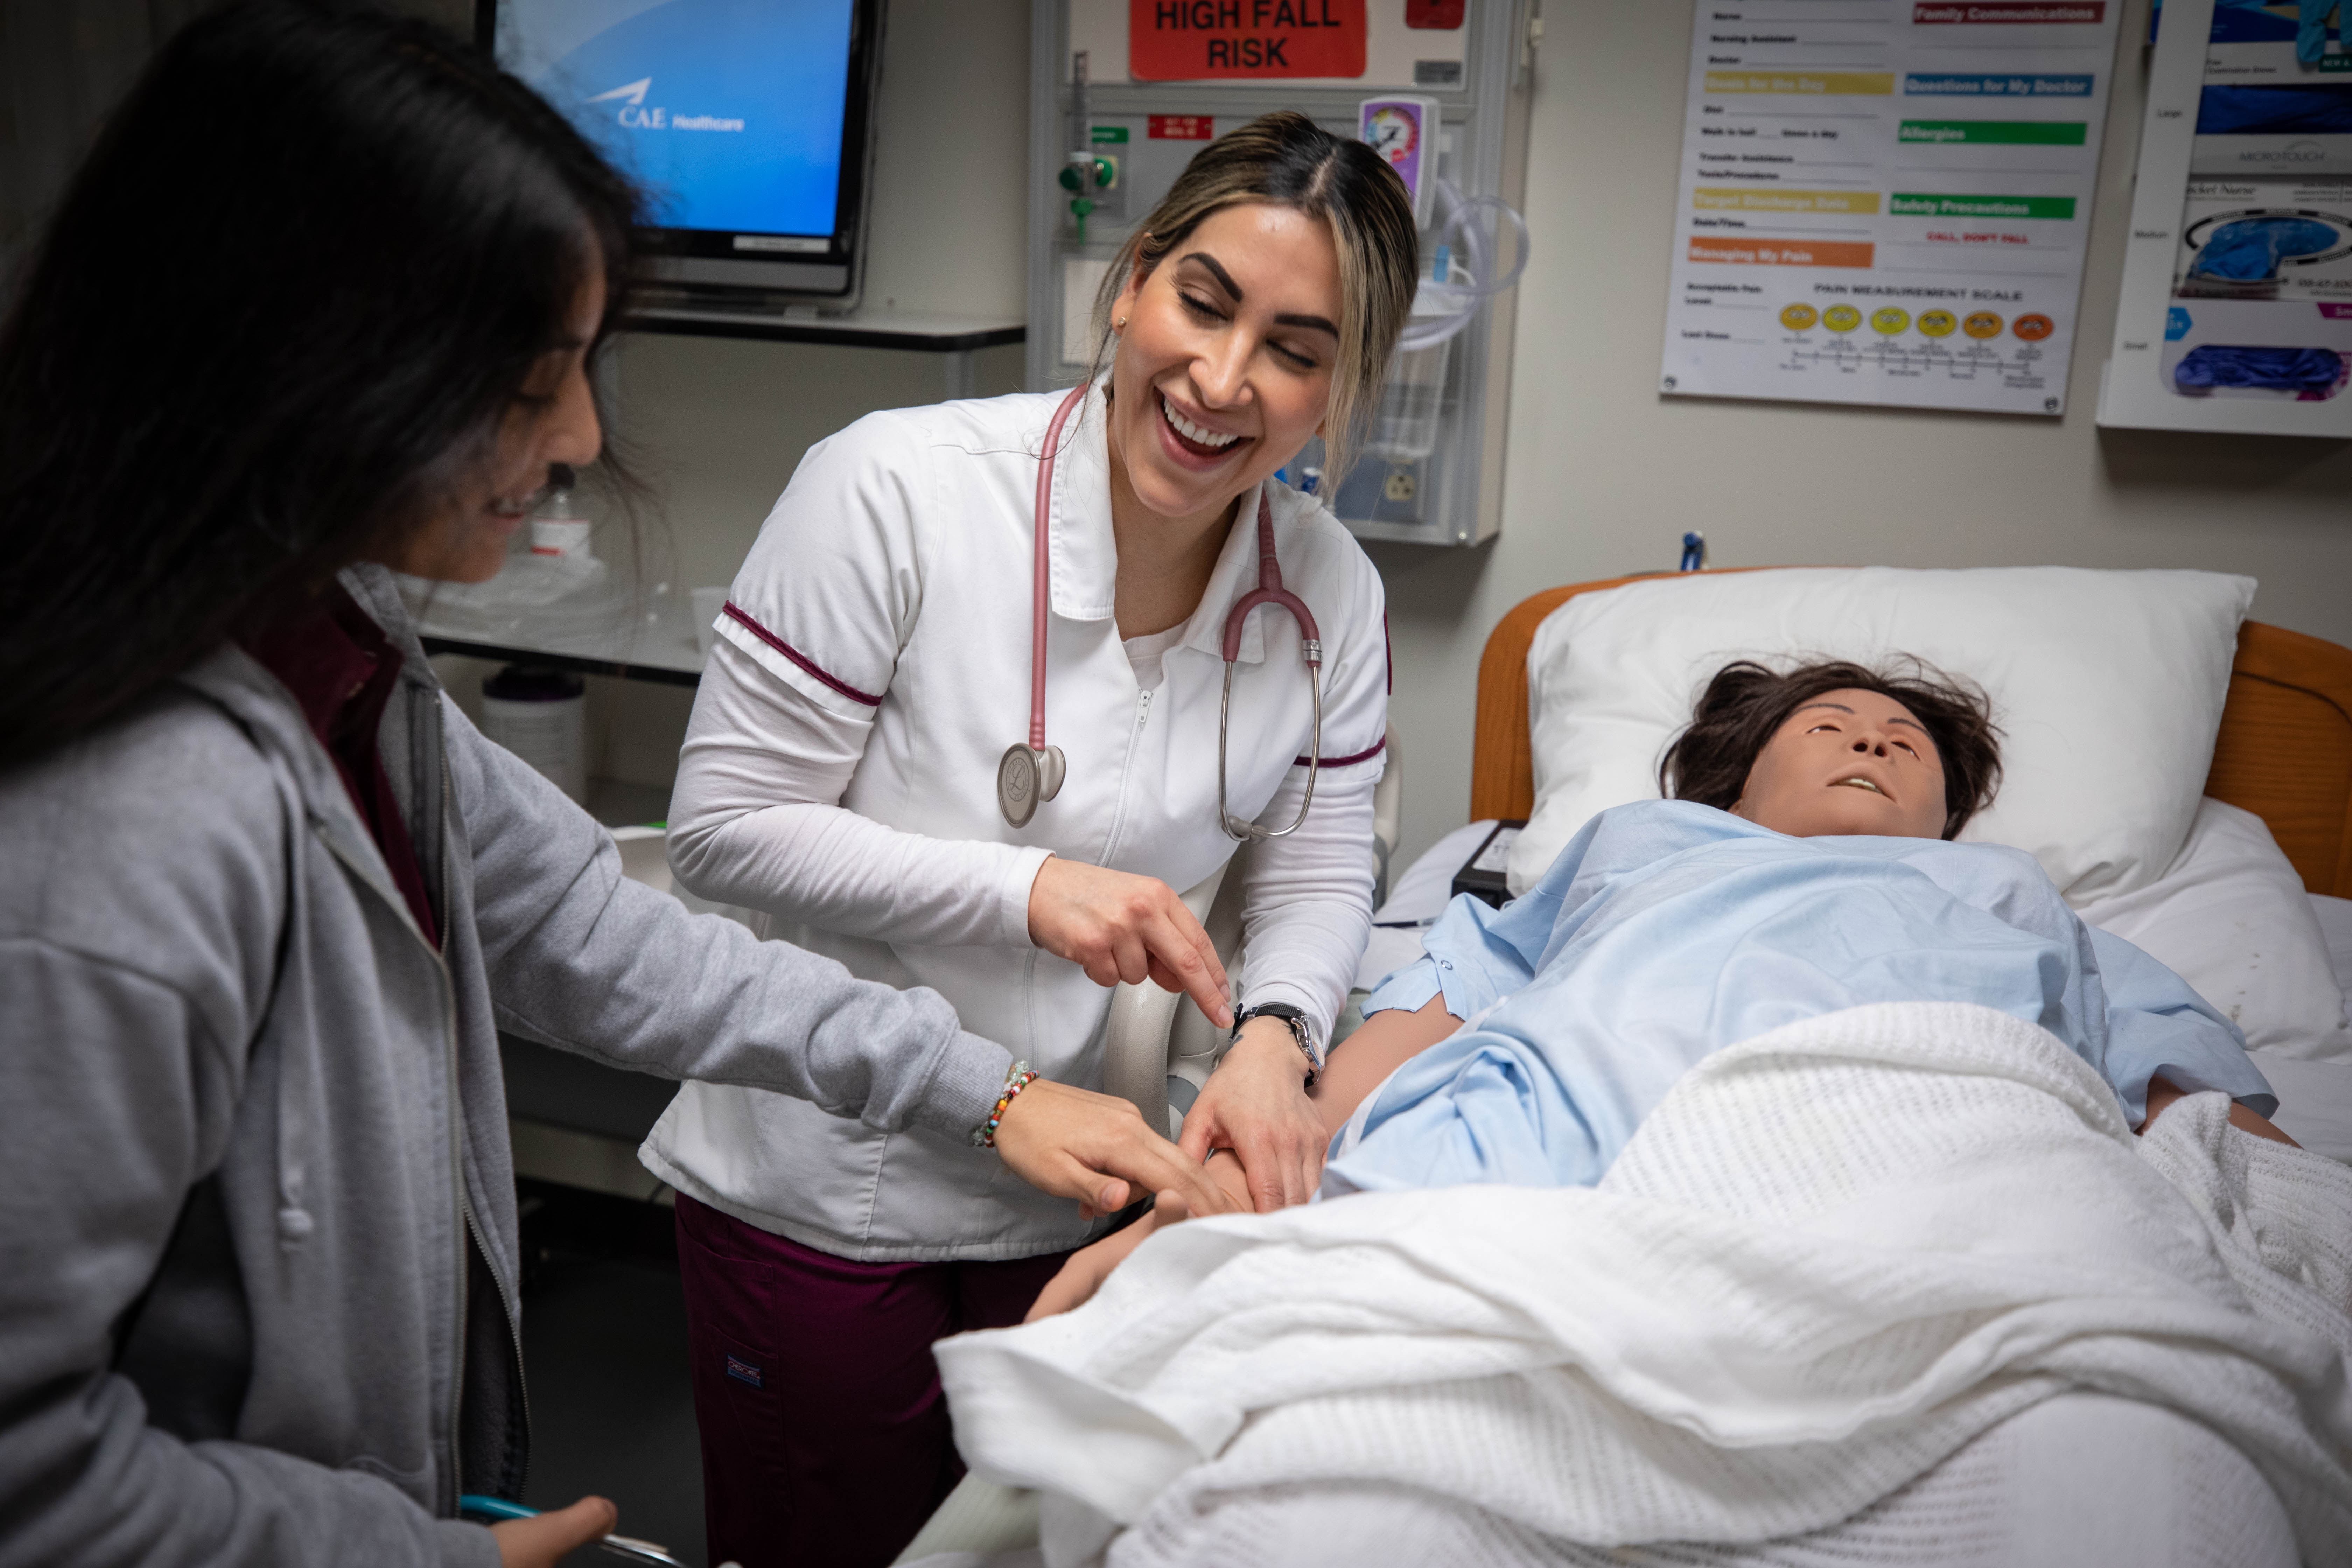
<point>1041,566</point>
<point>1237,829</point>
<point>1269,591</point>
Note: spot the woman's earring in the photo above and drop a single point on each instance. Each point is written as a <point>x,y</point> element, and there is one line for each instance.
<point>1119,325</point>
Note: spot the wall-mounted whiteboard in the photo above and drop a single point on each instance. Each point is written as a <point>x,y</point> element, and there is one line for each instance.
<point>1887,201</point>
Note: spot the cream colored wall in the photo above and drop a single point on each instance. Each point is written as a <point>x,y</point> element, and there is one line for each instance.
<point>1603,474</point>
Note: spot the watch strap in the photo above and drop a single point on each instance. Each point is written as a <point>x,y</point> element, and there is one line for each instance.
<point>1301,1031</point>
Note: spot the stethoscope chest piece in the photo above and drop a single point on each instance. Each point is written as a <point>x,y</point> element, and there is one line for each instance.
<point>1025,776</point>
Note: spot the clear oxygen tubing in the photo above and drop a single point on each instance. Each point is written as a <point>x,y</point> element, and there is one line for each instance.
<point>1460,229</point>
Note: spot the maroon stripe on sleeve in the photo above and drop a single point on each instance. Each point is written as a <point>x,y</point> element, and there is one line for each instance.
<point>807,664</point>
<point>1378,747</point>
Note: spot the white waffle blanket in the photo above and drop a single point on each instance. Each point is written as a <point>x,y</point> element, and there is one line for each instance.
<point>1832,1256</point>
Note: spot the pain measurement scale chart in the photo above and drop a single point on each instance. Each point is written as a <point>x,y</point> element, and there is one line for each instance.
<point>1886,201</point>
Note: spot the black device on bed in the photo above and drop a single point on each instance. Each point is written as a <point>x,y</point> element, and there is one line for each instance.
<point>1481,876</point>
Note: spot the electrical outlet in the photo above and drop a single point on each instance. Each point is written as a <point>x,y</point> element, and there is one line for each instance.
<point>1399,486</point>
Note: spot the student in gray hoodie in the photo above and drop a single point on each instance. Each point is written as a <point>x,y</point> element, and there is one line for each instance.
<point>265,897</point>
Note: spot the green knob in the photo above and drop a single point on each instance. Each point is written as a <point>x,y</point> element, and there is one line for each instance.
<point>1069,179</point>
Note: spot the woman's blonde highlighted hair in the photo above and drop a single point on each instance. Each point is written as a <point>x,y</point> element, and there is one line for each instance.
<point>1285,159</point>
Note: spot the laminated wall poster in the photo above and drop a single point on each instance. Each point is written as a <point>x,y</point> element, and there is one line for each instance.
<point>1886,201</point>
<point>2237,298</point>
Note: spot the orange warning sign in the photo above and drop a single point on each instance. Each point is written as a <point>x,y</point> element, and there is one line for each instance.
<point>1207,41</point>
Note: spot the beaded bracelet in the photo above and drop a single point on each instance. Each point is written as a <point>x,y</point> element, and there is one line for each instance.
<point>1020,1077</point>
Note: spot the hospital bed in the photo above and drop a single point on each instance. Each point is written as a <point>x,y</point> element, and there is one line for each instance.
<point>2283,752</point>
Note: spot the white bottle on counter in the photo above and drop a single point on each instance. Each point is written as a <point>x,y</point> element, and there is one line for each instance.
<point>555,528</point>
<point>542,716</point>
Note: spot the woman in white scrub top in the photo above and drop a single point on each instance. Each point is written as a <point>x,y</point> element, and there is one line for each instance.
<point>871,667</point>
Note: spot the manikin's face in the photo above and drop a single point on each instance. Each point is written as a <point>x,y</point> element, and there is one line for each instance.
<point>1847,762</point>
<point>1223,369</point>
<point>552,420</point>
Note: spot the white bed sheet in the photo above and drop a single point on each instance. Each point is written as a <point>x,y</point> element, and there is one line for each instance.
<point>2078,1478</point>
<point>2315,1097</point>
<point>2081,1480</point>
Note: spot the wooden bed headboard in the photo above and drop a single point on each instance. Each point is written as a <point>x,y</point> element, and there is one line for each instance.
<point>2284,752</point>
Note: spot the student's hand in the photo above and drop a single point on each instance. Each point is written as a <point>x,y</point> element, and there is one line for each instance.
<point>1256,1105</point>
<point>1075,1143</point>
<point>1117,926</point>
<point>541,1541</point>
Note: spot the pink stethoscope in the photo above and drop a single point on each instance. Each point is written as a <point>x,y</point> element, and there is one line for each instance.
<point>1028,774</point>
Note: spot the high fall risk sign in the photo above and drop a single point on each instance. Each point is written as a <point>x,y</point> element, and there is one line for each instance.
<point>1195,40</point>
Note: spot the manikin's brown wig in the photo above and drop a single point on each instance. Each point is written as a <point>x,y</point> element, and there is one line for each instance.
<point>1746,702</point>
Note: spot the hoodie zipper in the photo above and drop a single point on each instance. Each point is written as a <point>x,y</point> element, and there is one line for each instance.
<point>457,1136</point>
<point>468,1229</point>
<point>456,1169</point>
<point>472,1234</point>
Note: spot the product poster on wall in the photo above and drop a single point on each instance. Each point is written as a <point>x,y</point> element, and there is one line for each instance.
<point>1887,201</point>
<point>2237,300</point>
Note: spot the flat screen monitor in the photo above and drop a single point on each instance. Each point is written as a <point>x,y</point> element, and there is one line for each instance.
<point>749,123</point>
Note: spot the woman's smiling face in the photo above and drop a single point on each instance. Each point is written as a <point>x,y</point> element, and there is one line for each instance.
<point>1849,762</point>
<point>1223,368</point>
<point>552,419</point>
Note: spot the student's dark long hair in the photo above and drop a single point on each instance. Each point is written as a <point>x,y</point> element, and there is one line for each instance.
<point>276,319</point>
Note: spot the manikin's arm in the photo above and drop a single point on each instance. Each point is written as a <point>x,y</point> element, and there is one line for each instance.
<point>1364,1059</point>
<point>1357,1067</point>
<point>2162,1093</point>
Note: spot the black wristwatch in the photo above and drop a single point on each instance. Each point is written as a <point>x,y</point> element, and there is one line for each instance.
<point>1299,1031</point>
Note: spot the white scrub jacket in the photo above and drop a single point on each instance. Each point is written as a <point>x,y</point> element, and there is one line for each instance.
<point>840,775</point>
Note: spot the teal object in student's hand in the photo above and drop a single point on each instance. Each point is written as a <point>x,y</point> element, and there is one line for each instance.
<point>498,1509</point>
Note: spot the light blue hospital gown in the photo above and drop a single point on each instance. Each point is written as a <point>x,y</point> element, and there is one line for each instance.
<point>1667,931</point>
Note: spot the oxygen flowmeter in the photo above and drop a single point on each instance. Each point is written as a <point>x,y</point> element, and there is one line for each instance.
<point>1086,174</point>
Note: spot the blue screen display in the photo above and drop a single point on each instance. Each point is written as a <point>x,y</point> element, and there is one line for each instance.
<point>728,112</point>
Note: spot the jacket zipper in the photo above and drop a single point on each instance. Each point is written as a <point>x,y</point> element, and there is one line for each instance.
<point>1126,773</point>
<point>469,1230</point>
<point>456,1168</point>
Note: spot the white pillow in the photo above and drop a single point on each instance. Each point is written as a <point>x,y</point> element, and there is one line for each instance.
<point>2107,686</point>
<point>2230,916</point>
<point>2335,916</point>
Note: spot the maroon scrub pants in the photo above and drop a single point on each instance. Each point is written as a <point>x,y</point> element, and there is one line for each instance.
<point>825,1441</point>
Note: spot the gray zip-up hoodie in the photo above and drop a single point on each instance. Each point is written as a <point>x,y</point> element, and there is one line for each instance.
<point>257,1239</point>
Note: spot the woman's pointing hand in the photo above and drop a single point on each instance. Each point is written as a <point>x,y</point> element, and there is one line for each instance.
<point>1117,926</point>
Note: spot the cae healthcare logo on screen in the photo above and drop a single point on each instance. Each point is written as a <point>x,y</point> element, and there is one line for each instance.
<point>635,116</point>
<point>728,111</point>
